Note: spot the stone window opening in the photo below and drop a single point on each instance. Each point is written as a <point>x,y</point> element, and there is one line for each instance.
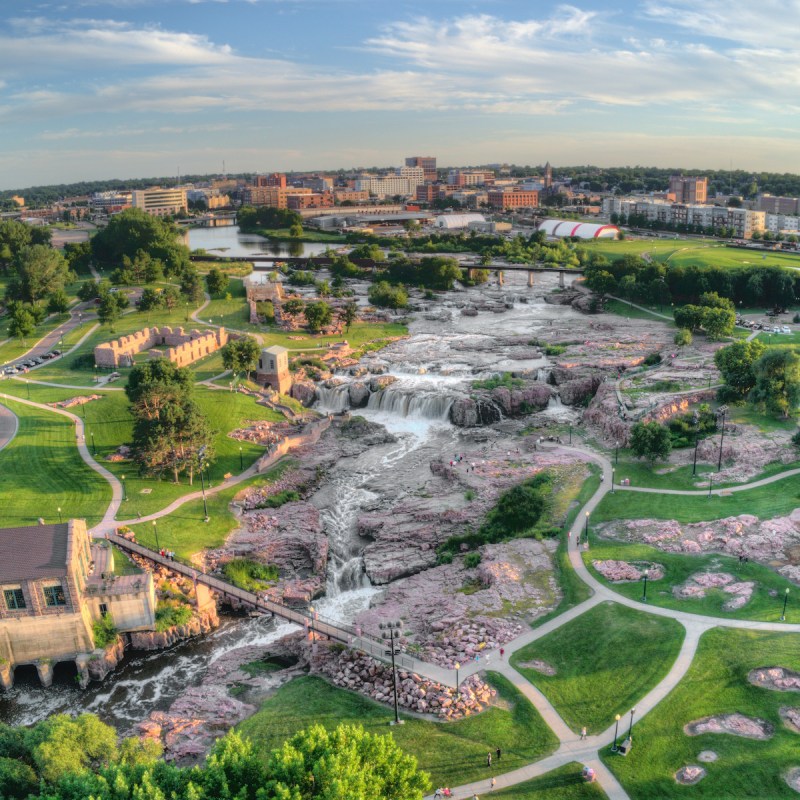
<point>54,595</point>
<point>14,597</point>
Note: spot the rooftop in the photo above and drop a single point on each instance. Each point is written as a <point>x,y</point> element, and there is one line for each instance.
<point>33,552</point>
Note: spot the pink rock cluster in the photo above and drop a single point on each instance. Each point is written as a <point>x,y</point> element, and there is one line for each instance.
<point>76,401</point>
<point>790,717</point>
<point>698,584</point>
<point>623,571</point>
<point>690,774</point>
<point>262,432</point>
<point>776,678</point>
<point>200,622</point>
<point>355,671</point>
<point>734,724</point>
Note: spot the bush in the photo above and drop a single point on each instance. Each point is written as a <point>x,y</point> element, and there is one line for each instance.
<point>82,362</point>
<point>278,499</point>
<point>554,349</point>
<point>796,439</point>
<point>170,613</point>
<point>683,337</point>
<point>651,359</point>
<point>104,631</point>
<point>250,575</point>
<point>471,560</point>
<point>505,379</point>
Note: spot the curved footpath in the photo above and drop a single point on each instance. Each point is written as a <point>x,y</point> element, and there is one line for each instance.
<point>9,425</point>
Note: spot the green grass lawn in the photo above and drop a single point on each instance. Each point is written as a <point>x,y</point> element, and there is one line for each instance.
<point>309,235</point>
<point>605,661</point>
<point>41,470</point>
<point>715,684</point>
<point>184,530</point>
<point>773,500</point>
<point>678,568</point>
<point>453,752</point>
<point>747,415</point>
<point>622,309</point>
<point>564,783</point>
<point>15,348</point>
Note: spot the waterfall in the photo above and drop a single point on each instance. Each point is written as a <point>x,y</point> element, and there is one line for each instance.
<point>554,402</point>
<point>541,375</point>
<point>411,403</point>
<point>333,400</point>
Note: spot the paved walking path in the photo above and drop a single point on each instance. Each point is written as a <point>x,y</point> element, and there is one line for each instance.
<point>9,424</point>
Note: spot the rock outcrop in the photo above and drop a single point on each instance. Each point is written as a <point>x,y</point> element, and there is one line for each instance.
<point>201,622</point>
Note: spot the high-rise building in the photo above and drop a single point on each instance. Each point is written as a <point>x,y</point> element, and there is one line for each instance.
<point>428,164</point>
<point>778,205</point>
<point>513,198</point>
<point>276,179</point>
<point>548,176</point>
<point>688,189</point>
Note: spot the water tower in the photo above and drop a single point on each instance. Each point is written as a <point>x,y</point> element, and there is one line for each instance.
<point>273,369</point>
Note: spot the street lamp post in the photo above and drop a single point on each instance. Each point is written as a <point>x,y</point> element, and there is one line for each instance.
<point>124,491</point>
<point>203,487</point>
<point>785,600</point>
<point>94,448</point>
<point>155,531</point>
<point>696,442</point>
<point>391,632</point>
<point>630,728</point>
<point>614,749</point>
<point>612,480</point>
<point>723,410</point>
<point>61,520</point>
<point>710,481</point>
<point>570,434</point>
<point>644,577</point>
<point>458,667</point>
<point>241,462</point>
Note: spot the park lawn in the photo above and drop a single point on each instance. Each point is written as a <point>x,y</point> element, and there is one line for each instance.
<point>678,567</point>
<point>16,348</point>
<point>564,783</point>
<point>451,752</point>
<point>622,309</point>
<point>747,415</point>
<point>606,660</point>
<point>230,268</point>
<point>733,257</point>
<point>184,530</point>
<point>773,500</point>
<point>779,338</point>
<point>716,684</point>
<point>41,470</point>
<point>282,234</point>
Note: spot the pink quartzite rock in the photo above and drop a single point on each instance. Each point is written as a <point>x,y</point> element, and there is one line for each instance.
<point>733,724</point>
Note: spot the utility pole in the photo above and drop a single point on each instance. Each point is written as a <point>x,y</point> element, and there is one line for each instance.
<point>390,631</point>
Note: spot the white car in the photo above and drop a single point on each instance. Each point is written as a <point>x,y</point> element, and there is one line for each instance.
<point>786,329</point>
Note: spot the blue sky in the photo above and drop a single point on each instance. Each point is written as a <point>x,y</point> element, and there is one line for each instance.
<point>132,88</point>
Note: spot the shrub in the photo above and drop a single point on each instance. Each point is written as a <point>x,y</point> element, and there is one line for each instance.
<point>278,499</point>
<point>651,359</point>
<point>554,349</point>
<point>250,575</point>
<point>170,613</point>
<point>104,631</point>
<point>471,560</point>
<point>505,379</point>
<point>469,495</point>
<point>796,439</point>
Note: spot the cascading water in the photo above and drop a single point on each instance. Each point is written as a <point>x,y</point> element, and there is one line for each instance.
<point>411,403</point>
<point>333,400</point>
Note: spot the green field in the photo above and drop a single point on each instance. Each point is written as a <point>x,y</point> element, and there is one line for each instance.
<point>565,783</point>
<point>762,605</point>
<point>605,661</point>
<point>41,470</point>
<point>623,309</point>
<point>716,684</point>
<point>452,752</point>
<point>773,500</point>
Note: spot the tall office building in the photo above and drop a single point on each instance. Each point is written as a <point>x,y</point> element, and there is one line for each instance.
<point>428,164</point>
<point>159,202</point>
<point>688,189</point>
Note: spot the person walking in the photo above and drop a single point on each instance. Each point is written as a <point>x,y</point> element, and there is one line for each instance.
<point>583,732</point>
<point>488,759</point>
<point>492,783</point>
<point>498,753</point>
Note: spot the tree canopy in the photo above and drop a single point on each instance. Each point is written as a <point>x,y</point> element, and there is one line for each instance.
<point>777,381</point>
<point>240,355</point>
<point>735,363</point>
<point>650,440</point>
<point>37,271</point>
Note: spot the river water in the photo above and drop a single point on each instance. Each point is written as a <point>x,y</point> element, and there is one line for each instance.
<point>443,354</point>
<point>230,241</point>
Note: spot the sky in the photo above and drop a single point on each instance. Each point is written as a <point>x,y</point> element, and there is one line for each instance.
<point>94,89</point>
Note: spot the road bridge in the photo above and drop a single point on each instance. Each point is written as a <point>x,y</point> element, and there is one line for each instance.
<point>307,619</point>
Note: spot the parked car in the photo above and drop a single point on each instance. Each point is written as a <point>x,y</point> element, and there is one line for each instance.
<point>36,361</point>
<point>56,353</point>
<point>10,370</point>
<point>786,329</point>
<point>46,356</point>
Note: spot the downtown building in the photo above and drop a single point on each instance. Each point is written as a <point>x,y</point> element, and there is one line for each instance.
<point>160,202</point>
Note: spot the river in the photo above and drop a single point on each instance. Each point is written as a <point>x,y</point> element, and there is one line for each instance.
<point>436,363</point>
<point>230,241</point>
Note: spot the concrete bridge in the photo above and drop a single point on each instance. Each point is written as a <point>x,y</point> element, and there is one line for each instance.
<point>224,219</point>
<point>307,619</point>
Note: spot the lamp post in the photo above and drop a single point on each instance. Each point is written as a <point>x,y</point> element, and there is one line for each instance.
<point>187,310</point>
<point>155,531</point>
<point>124,491</point>
<point>94,448</point>
<point>644,577</point>
<point>614,749</point>
<point>630,728</point>
<point>203,488</point>
<point>61,520</point>
<point>785,600</point>
<point>722,410</point>
<point>458,667</point>
<point>391,632</point>
<point>570,433</point>
<point>612,480</point>
<point>696,442</point>
<point>241,462</point>
<point>710,481</point>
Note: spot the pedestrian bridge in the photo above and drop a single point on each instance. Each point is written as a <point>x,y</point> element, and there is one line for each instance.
<point>305,618</point>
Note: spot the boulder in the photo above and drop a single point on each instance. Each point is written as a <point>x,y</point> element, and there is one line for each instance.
<point>381,382</point>
<point>358,394</point>
<point>304,392</point>
<point>578,392</point>
<point>522,401</point>
<point>468,413</point>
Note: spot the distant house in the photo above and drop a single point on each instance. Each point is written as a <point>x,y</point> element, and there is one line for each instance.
<point>55,582</point>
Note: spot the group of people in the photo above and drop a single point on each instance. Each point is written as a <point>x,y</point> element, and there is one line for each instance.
<point>170,554</point>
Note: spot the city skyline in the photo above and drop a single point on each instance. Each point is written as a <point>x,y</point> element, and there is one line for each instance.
<point>97,89</point>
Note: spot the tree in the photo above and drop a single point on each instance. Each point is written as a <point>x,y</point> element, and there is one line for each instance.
<point>777,381</point>
<point>191,286</point>
<point>318,315</point>
<point>58,302</point>
<point>347,763</point>
<point>295,230</point>
<point>88,291</point>
<point>689,317</point>
<point>22,324</point>
<point>650,440</point>
<point>78,255</point>
<point>150,299</point>
<point>718,322</point>
<point>385,295</point>
<point>683,338</point>
<point>37,271</point>
<point>111,307</point>
<point>216,281</point>
<point>241,355</point>
<point>348,314</point>
<point>601,281</point>
<point>293,306</point>
<point>736,365</point>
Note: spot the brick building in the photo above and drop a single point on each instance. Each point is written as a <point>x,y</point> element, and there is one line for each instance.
<point>512,197</point>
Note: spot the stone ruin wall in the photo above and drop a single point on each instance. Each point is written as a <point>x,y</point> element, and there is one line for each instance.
<point>183,347</point>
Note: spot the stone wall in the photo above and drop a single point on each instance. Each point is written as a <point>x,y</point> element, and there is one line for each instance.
<point>182,347</point>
